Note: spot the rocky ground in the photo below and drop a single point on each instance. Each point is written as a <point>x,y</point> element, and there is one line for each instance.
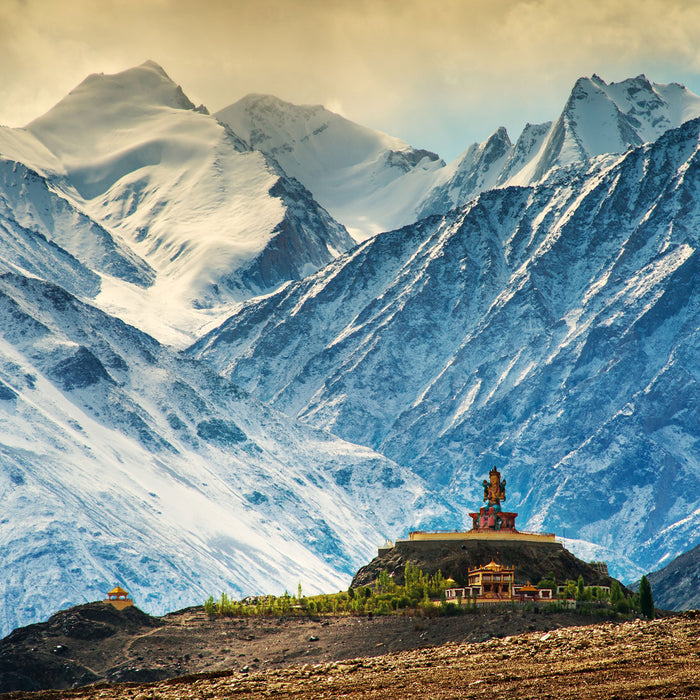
<point>637,659</point>
<point>94,642</point>
<point>511,655</point>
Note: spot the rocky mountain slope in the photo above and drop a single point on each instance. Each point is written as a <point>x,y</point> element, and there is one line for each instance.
<point>124,462</point>
<point>551,329</point>
<point>677,585</point>
<point>202,219</point>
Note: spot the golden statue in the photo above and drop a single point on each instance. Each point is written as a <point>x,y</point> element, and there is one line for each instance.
<point>495,489</point>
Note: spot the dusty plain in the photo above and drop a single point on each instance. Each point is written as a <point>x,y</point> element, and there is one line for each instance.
<point>631,659</point>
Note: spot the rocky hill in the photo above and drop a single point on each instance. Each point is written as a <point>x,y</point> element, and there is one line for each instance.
<point>533,561</point>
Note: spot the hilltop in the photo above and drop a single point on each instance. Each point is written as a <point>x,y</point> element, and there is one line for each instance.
<point>533,561</point>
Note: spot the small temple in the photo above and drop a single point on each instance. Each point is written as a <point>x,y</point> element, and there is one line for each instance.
<point>493,581</point>
<point>119,598</point>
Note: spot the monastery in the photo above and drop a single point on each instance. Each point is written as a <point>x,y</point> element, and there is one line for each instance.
<point>490,582</point>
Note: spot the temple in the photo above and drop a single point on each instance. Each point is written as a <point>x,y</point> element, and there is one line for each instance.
<point>482,563</point>
<point>119,598</point>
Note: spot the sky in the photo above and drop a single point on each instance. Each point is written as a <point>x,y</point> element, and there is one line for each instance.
<point>440,74</point>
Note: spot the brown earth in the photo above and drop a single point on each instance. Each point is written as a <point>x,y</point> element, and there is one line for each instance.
<point>635,659</point>
<point>94,642</point>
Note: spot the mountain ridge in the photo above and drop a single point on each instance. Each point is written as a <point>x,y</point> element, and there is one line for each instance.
<point>179,193</point>
<point>573,300</point>
<point>549,328</point>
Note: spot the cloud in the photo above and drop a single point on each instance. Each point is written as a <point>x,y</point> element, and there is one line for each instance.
<point>406,66</point>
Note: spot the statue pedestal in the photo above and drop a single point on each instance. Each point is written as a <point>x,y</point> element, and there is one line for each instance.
<point>488,518</point>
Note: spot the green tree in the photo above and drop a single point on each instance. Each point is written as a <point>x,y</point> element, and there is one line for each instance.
<point>385,583</point>
<point>615,593</point>
<point>210,606</point>
<point>580,587</point>
<point>646,600</point>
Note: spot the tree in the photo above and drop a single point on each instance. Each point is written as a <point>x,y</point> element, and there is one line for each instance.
<point>210,606</point>
<point>615,593</point>
<point>646,600</point>
<point>385,584</point>
<point>580,588</point>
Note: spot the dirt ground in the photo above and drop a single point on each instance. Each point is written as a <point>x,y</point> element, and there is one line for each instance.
<point>307,659</point>
<point>94,642</point>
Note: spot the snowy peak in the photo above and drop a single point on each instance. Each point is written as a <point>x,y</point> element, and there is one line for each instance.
<point>145,85</point>
<point>351,170</point>
<point>179,194</point>
<point>103,103</point>
<point>476,170</point>
<point>598,118</point>
<point>288,132</point>
<point>518,166</point>
<point>110,125</point>
<point>607,118</point>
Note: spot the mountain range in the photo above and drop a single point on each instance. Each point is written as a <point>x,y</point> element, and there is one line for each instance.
<point>372,182</point>
<point>203,219</point>
<point>206,384</point>
<point>471,338</point>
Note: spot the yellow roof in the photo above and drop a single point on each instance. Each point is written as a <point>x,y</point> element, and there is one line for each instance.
<point>528,587</point>
<point>493,566</point>
<point>118,591</point>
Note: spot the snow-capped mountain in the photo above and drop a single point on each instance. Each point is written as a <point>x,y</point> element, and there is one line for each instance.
<point>551,329</point>
<point>203,220</point>
<point>366,179</point>
<point>372,182</point>
<point>598,119</point>
<point>123,462</point>
<point>481,167</point>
